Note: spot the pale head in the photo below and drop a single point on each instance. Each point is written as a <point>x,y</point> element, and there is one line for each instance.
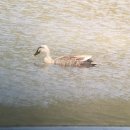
<point>42,48</point>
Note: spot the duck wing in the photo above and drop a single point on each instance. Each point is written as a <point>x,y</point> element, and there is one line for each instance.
<point>83,57</point>
<point>72,60</point>
<point>78,57</point>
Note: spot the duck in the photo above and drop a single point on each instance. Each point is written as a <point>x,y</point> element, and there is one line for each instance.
<point>68,60</point>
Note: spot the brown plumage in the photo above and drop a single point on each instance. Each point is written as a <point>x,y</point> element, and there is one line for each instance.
<point>77,61</point>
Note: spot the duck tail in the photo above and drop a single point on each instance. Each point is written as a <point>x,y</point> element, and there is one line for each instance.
<point>90,60</point>
<point>93,65</point>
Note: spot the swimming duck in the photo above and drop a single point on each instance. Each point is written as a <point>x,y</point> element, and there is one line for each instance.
<point>77,60</point>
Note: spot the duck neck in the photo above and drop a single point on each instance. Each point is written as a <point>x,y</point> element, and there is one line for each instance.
<point>48,54</point>
<point>48,58</point>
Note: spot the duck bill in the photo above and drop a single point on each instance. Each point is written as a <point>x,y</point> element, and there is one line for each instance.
<point>36,53</point>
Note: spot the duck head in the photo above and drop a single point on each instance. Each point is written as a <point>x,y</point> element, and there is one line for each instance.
<point>42,48</point>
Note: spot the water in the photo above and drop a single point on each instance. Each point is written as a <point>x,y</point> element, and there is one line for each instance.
<point>32,93</point>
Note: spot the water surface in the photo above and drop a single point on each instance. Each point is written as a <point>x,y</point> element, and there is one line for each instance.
<point>32,93</point>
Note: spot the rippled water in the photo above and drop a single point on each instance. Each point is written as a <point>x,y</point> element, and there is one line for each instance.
<point>32,93</point>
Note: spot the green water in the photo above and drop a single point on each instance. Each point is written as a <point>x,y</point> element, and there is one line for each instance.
<point>68,113</point>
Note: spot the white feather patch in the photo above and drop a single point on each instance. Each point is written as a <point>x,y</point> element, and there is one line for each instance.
<point>87,57</point>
